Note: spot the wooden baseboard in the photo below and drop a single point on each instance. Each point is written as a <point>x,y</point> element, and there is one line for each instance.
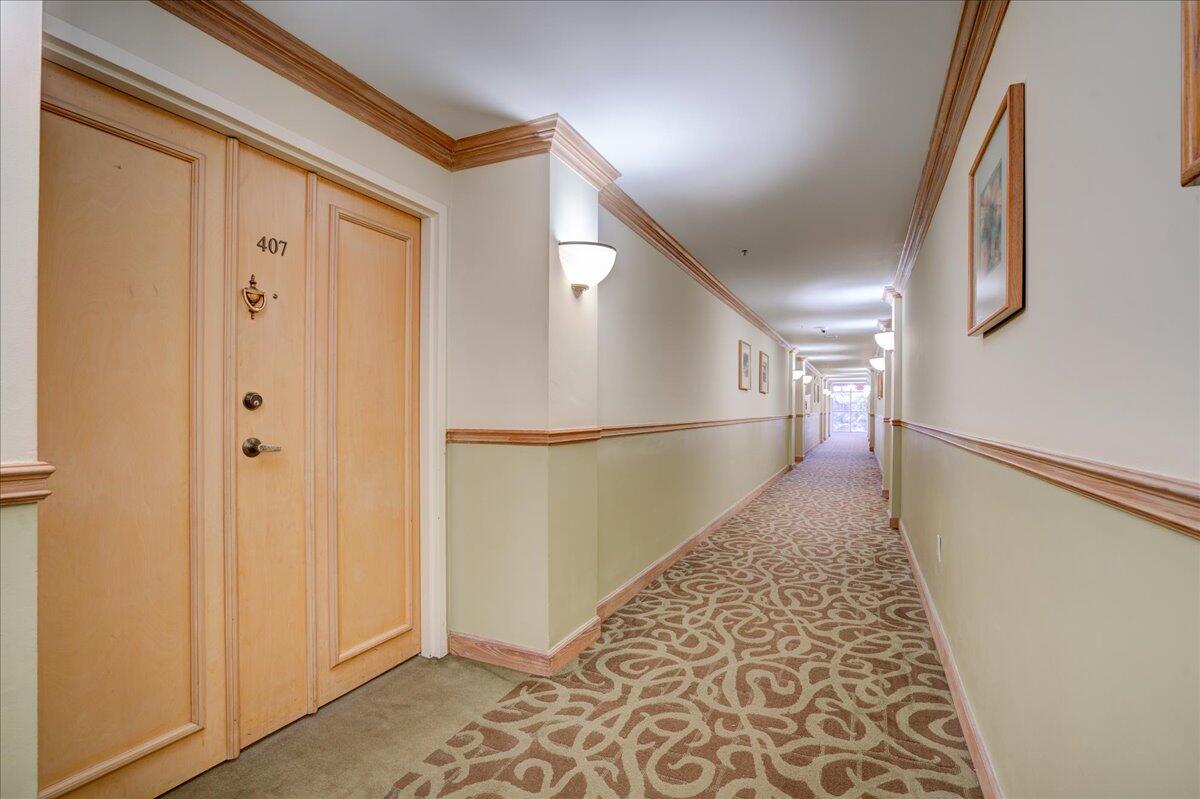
<point>962,706</point>
<point>799,459</point>
<point>611,603</point>
<point>520,658</point>
<point>894,522</point>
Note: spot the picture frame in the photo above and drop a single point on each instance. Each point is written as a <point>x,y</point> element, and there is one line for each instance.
<point>744,375</point>
<point>1189,156</point>
<point>764,372</point>
<point>996,219</point>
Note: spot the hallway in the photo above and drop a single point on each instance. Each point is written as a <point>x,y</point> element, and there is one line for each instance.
<point>787,655</point>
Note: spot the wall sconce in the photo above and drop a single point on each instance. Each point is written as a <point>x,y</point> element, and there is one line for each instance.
<point>886,340</point>
<point>586,263</point>
<point>877,363</point>
<point>827,392</point>
<point>808,379</point>
<point>797,374</point>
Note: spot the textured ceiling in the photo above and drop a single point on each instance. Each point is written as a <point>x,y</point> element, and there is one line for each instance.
<point>796,131</point>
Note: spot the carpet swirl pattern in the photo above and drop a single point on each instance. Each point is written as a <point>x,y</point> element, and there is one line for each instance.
<point>786,656</point>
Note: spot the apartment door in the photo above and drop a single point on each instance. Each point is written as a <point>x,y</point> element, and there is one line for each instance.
<point>131,573</point>
<point>228,382</point>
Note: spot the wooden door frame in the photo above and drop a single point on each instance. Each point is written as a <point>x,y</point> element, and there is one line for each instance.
<point>75,49</point>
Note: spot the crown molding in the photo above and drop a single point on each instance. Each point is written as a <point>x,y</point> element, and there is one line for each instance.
<point>622,206</point>
<point>978,26</point>
<point>235,24</point>
<point>548,134</point>
<point>1163,500</point>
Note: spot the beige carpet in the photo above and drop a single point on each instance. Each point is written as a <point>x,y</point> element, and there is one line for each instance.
<point>787,656</point>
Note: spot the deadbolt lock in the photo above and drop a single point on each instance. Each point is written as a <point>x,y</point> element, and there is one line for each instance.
<point>252,401</point>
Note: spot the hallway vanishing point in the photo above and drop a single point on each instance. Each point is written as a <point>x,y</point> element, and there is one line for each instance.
<point>788,655</point>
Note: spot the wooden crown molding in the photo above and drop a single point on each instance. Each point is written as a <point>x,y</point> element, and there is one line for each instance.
<point>21,483</point>
<point>548,134</point>
<point>576,435</point>
<point>521,658</point>
<point>978,27</point>
<point>234,23</point>
<point>1163,500</point>
<point>622,206</point>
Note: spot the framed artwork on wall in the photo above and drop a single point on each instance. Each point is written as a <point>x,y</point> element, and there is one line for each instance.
<point>1190,140</point>
<point>996,219</point>
<point>764,372</point>
<point>744,375</point>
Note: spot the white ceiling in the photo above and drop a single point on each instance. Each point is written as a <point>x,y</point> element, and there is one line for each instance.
<point>794,130</point>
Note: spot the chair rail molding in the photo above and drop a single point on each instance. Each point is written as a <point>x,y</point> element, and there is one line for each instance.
<point>22,483</point>
<point>978,27</point>
<point>1163,500</point>
<point>579,434</point>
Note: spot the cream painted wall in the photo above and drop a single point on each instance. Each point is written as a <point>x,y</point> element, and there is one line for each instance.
<point>1112,251</point>
<point>668,347</point>
<point>168,42</point>
<point>1074,625</point>
<point>498,327</point>
<point>20,99</point>
<point>668,352</point>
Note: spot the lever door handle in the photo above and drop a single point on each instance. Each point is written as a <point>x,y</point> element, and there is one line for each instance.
<point>252,448</point>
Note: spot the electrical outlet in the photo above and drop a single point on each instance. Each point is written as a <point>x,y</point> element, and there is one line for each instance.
<point>939,543</point>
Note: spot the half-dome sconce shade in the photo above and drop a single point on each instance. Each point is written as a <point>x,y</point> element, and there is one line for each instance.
<point>877,363</point>
<point>886,340</point>
<point>586,263</point>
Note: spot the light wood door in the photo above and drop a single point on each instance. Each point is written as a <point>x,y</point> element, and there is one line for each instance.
<point>131,628</point>
<point>274,586</point>
<point>368,595</point>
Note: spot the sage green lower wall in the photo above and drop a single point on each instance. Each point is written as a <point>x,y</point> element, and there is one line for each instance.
<point>812,431</point>
<point>657,490</point>
<point>1075,626</point>
<point>520,541</point>
<point>18,642</point>
<point>537,535</point>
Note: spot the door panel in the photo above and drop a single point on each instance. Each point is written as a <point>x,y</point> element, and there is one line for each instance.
<point>274,628</point>
<point>130,590</point>
<point>368,255</point>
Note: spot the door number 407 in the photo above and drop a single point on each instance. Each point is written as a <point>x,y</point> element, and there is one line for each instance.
<point>273,246</point>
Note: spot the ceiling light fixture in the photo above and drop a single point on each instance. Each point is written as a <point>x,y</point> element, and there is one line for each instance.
<point>586,263</point>
<point>877,363</point>
<point>886,340</point>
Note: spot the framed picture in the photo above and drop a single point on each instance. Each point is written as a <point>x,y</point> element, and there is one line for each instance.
<point>744,375</point>
<point>764,371</point>
<point>1190,140</point>
<point>879,385</point>
<point>996,233</point>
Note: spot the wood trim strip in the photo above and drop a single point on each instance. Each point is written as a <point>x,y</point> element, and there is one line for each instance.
<point>521,658</point>
<point>978,27</point>
<point>234,23</point>
<point>980,757</point>
<point>611,603</point>
<point>622,206</point>
<point>579,434</point>
<point>1163,500</point>
<point>22,483</point>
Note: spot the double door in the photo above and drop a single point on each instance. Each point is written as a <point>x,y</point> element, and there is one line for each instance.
<point>227,384</point>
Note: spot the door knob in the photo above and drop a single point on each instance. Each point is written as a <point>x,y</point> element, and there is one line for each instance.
<point>252,448</point>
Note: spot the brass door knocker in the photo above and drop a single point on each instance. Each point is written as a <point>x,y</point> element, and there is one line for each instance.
<point>255,299</point>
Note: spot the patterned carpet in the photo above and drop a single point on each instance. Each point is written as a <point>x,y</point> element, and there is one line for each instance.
<point>786,656</point>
